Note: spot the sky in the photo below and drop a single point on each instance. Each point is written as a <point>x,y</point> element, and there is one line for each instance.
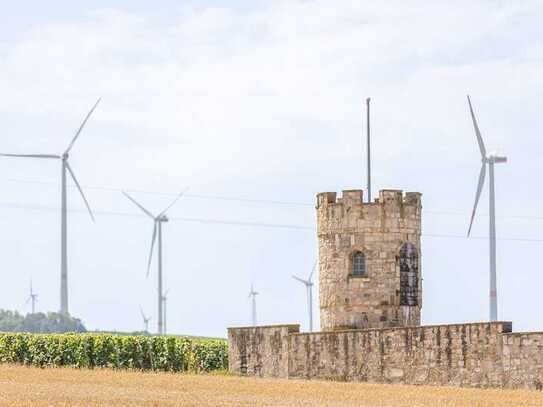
<point>256,107</point>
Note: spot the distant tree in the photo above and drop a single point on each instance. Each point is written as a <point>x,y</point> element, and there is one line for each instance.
<point>52,322</point>
<point>10,320</point>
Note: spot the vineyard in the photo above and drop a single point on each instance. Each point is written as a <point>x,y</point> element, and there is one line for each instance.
<point>154,353</point>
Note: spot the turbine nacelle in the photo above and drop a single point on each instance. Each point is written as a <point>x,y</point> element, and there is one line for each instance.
<point>493,158</point>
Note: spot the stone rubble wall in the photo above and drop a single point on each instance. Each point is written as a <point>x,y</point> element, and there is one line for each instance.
<point>523,360</point>
<point>260,351</point>
<point>485,355</point>
<point>467,355</point>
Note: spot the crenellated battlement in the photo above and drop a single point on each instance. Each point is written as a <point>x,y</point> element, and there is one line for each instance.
<point>351,197</point>
<point>391,209</point>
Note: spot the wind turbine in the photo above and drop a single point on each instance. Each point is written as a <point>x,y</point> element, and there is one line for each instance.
<point>146,320</point>
<point>66,168</point>
<point>309,286</point>
<point>253,294</point>
<point>165,303</point>
<point>489,159</point>
<point>157,230</point>
<point>32,297</point>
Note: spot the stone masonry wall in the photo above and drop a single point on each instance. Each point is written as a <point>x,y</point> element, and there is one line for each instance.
<point>260,351</point>
<point>379,229</point>
<point>523,360</point>
<point>466,355</point>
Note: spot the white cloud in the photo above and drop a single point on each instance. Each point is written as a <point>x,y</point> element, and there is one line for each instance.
<point>271,100</point>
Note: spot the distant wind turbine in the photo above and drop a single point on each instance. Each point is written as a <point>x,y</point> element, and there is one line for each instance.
<point>146,320</point>
<point>66,168</point>
<point>32,297</point>
<point>489,159</point>
<point>309,287</point>
<point>253,294</point>
<point>157,230</point>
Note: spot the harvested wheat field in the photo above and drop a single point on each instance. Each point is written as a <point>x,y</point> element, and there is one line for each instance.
<point>46,387</point>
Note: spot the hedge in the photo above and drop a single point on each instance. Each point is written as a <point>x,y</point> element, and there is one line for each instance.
<point>159,353</point>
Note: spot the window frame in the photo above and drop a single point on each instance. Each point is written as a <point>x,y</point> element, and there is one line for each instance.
<point>354,255</point>
<point>409,267</point>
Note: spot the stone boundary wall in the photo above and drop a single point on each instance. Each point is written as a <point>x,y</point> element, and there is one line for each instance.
<point>260,351</point>
<point>523,360</point>
<point>468,355</point>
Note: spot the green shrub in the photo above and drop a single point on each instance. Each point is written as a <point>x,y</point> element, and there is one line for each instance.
<point>160,353</point>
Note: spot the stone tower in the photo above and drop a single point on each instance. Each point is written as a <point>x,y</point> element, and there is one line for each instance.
<point>369,256</point>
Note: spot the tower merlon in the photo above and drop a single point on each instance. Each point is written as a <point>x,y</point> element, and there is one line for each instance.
<point>390,203</point>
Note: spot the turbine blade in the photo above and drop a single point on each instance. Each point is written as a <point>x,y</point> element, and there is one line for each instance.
<point>29,298</point>
<point>174,202</point>
<point>299,279</point>
<point>477,132</point>
<point>313,271</point>
<point>480,184</point>
<point>142,313</point>
<point>81,127</point>
<point>31,155</point>
<point>80,190</point>
<point>139,205</point>
<point>152,247</point>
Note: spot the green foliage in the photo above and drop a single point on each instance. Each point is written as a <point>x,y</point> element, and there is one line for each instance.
<point>11,321</point>
<point>160,353</point>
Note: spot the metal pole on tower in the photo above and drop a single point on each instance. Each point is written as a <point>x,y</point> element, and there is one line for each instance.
<point>368,148</point>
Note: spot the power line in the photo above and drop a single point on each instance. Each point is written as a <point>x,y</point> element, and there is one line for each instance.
<point>188,195</point>
<point>248,200</point>
<point>18,206</point>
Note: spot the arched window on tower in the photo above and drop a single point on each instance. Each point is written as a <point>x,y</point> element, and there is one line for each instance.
<point>409,275</point>
<point>358,265</point>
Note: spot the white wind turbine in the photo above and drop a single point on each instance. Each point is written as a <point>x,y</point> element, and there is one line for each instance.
<point>66,168</point>
<point>309,287</point>
<point>32,297</point>
<point>489,159</point>
<point>157,230</point>
<point>253,294</point>
<point>146,320</point>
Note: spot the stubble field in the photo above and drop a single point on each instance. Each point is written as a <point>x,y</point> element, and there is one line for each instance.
<point>21,386</point>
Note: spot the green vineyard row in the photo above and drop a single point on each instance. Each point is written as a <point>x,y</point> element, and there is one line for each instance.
<point>159,353</point>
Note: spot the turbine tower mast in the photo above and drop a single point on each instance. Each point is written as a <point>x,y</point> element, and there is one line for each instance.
<point>165,305</point>
<point>65,168</point>
<point>157,230</point>
<point>253,294</point>
<point>489,159</point>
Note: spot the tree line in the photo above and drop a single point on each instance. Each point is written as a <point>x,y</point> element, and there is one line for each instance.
<point>52,322</point>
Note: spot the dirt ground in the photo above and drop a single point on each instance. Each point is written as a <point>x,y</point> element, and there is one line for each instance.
<point>20,386</point>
